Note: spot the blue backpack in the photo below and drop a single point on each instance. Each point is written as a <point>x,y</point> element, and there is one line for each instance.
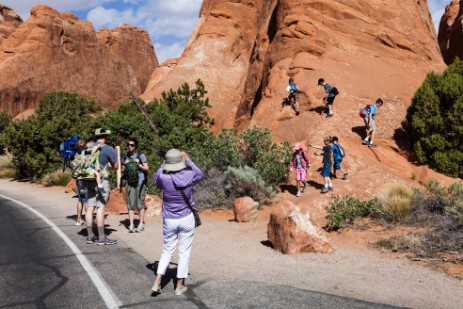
<point>68,147</point>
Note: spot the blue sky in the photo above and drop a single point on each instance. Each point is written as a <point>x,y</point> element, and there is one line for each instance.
<point>168,22</point>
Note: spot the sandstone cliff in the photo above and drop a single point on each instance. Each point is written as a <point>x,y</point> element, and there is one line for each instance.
<point>9,20</point>
<point>451,32</point>
<point>55,51</point>
<point>246,50</point>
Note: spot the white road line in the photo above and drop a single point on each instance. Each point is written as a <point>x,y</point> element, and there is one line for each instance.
<point>108,296</point>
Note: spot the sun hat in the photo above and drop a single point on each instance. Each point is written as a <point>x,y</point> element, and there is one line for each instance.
<point>102,132</point>
<point>297,146</point>
<point>174,161</point>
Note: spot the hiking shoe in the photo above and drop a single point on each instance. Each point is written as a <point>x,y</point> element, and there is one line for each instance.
<point>180,291</point>
<point>80,222</point>
<point>364,142</point>
<point>325,190</point>
<point>330,188</point>
<point>305,187</point>
<point>91,240</point>
<point>297,113</point>
<point>132,228</point>
<point>156,288</point>
<point>298,194</point>
<point>344,177</point>
<point>330,115</point>
<point>140,228</point>
<point>372,145</point>
<point>106,241</point>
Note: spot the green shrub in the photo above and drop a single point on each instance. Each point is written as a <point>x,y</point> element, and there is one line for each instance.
<point>435,121</point>
<point>344,210</point>
<point>34,142</point>
<point>7,168</point>
<point>5,120</point>
<point>210,192</point>
<point>246,181</point>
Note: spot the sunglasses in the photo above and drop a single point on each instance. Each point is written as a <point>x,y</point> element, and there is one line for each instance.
<point>131,145</point>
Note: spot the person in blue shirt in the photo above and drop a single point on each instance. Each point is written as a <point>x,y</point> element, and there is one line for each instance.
<point>338,155</point>
<point>330,96</point>
<point>370,123</point>
<point>97,199</point>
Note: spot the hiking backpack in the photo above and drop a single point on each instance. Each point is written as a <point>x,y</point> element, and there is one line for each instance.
<point>364,111</point>
<point>84,164</point>
<point>293,88</point>
<point>334,91</point>
<point>131,171</point>
<point>342,151</point>
<point>68,150</point>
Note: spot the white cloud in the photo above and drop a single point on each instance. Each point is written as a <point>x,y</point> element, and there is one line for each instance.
<point>111,18</point>
<point>164,52</point>
<point>23,7</point>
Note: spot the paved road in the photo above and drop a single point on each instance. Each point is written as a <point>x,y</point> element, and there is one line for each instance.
<point>39,270</point>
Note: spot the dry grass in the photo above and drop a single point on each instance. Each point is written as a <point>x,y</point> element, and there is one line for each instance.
<point>7,168</point>
<point>56,178</point>
<point>397,203</point>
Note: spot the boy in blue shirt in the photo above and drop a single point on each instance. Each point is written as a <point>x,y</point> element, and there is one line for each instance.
<point>338,154</point>
<point>330,96</point>
<point>370,123</point>
<point>327,163</point>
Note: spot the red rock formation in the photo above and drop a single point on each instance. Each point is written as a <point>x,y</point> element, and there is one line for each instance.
<point>292,232</point>
<point>9,21</point>
<point>245,51</point>
<point>58,52</point>
<point>245,209</point>
<point>451,32</point>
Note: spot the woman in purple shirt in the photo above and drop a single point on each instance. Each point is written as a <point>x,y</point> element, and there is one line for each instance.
<point>177,174</point>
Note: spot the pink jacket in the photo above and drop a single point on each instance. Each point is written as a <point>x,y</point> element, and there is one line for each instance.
<point>305,160</point>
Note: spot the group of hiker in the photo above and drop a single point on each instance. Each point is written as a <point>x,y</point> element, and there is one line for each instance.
<point>332,150</point>
<point>176,177</point>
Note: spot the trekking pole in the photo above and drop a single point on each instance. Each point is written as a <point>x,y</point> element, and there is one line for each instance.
<point>119,171</point>
<point>142,109</point>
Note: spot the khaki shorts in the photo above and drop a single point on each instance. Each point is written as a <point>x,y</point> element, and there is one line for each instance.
<point>136,196</point>
<point>370,126</point>
<point>96,198</point>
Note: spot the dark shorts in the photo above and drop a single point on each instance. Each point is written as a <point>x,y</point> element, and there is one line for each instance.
<point>326,169</point>
<point>82,191</point>
<point>337,165</point>
<point>330,100</point>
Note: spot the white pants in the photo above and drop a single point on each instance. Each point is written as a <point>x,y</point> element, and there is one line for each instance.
<point>182,230</point>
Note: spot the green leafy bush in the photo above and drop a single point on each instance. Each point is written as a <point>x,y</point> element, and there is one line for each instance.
<point>246,181</point>
<point>5,120</point>
<point>34,142</point>
<point>435,120</point>
<point>344,210</point>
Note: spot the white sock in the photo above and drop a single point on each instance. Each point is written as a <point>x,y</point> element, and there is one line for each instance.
<point>100,185</point>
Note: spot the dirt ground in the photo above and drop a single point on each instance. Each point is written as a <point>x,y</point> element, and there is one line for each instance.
<point>355,269</point>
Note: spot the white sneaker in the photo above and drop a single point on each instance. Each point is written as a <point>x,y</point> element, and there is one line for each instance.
<point>132,228</point>
<point>140,228</point>
<point>298,194</point>
<point>305,187</point>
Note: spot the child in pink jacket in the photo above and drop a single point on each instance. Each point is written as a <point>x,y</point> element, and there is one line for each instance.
<point>300,161</point>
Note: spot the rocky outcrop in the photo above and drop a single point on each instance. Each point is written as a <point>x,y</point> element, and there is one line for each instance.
<point>55,51</point>
<point>9,20</point>
<point>291,231</point>
<point>244,51</point>
<point>245,209</point>
<point>451,32</point>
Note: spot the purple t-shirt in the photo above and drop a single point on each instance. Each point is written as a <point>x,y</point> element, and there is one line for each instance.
<point>173,203</point>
